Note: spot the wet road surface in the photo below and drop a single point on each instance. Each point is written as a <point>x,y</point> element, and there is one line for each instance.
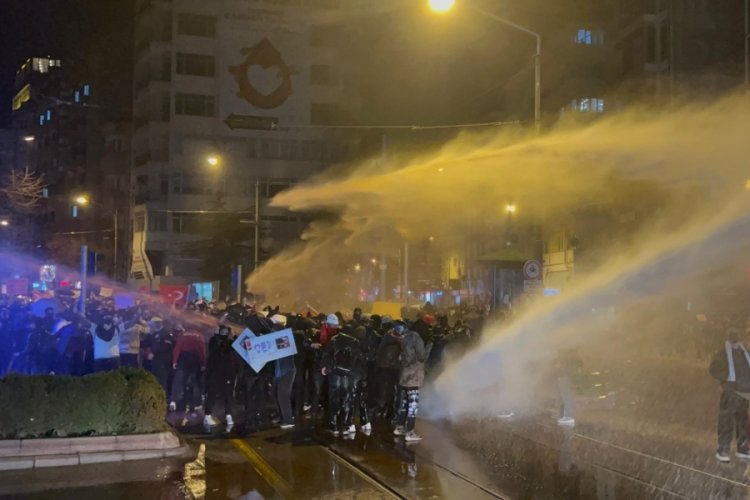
<point>520,460</point>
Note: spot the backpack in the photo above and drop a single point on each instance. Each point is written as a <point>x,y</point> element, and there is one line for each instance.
<point>344,359</point>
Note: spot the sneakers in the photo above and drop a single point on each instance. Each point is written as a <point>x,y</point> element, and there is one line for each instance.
<point>399,431</point>
<point>566,421</point>
<point>287,426</point>
<point>743,455</point>
<point>172,406</point>
<point>367,428</point>
<point>412,436</point>
<point>208,421</point>
<point>230,420</point>
<point>351,430</point>
<point>722,456</point>
<point>306,408</point>
<point>334,432</point>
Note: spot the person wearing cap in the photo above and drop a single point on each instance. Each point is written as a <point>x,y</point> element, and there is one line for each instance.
<point>106,346</point>
<point>730,366</point>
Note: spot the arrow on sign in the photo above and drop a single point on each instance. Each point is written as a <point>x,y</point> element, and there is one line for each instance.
<point>249,122</point>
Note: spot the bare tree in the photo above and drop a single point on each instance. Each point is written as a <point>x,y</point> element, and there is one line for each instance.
<point>23,190</point>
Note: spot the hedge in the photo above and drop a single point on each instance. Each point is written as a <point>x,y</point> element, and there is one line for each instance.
<point>120,402</point>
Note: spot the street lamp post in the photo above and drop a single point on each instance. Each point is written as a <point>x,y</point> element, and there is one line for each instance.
<point>84,200</point>
<point>442,6</point>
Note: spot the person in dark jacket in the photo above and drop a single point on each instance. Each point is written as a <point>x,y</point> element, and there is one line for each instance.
<point>221,375</point>
<point>285,371</point>
<point>158,347</point>
<point>360,384</point>
<point>343,363</point>
<point>106,345</point>
<point>387,369</point>
<point>730,366</point>
<point>414,353</point>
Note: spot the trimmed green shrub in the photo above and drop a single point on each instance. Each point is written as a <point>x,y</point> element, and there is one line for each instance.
<point>121,402</point>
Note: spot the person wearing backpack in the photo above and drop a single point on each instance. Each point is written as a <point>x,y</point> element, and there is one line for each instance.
<point>342,364</point>
<point>414,353</point>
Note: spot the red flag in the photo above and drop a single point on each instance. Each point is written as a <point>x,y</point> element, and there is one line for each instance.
<point>174,294</point>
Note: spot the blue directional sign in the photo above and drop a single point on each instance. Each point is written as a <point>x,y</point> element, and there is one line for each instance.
<point>257,351</point>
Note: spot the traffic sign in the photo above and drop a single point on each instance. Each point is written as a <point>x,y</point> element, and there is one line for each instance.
<point>257,351</point>
<point>532,270</point>
<point>249,122</point>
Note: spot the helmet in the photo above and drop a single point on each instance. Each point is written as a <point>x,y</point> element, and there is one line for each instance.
<point>332,320</point>
<point>386,320</point>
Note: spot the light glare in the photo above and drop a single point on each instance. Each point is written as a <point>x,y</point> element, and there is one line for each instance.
<point>442,6</point>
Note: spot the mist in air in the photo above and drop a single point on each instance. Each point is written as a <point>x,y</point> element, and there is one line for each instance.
<point>682,173</point>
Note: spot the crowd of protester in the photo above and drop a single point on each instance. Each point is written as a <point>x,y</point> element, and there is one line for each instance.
<point>347,372</point>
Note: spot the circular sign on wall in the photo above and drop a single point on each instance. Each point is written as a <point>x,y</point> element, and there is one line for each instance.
<point>532,270</point>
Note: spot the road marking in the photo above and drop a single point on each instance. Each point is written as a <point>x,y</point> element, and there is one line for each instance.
<point>380,486</point>
<point>265,471</point>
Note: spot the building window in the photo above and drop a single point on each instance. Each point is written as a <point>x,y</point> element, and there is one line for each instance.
<point>191,184</point>
<point>87,90</point>
<point>321,75</point>
<point>587,105</point>
<point>196,65</point>
<point>157,221</point>
<point>194,105</point>
<point>196,25</point>
<point>186,223</point>
<point>324,36</point>
<point>589,37</point>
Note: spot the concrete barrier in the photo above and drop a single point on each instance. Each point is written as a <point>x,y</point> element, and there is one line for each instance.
<point>17,454</point>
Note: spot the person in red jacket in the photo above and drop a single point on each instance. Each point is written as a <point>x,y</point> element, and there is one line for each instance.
<point>189,361</point>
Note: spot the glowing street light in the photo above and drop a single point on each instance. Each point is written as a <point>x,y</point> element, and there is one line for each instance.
<point>510,208</point>
<point>4,223</point>
<point>213,160</point>
<point>82,200</point>
<point>442,6</point>
<point>29,138</point>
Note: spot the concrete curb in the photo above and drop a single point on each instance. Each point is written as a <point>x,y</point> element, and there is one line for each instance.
<point>18,454</point>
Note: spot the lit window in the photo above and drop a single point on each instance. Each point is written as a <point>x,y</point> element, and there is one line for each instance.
<point>41,119</point>
<point>587,105</point>
<point>589,37</point>
<point>49,114</point>
<point>78,96</point>
<point>74,211</point>
<point>87,89</point>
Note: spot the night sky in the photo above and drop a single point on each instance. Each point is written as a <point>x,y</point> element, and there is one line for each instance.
<point>58,28</point>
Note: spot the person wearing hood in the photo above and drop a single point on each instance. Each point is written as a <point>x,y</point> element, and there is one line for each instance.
<point>328,331</point>
<point>283,378</point>
<point>158,347</point>
<point>359,376</point>
<point>343,364</point>
<point>730,366</point>
<point>132,331</point>
<point>221,375</point>
<point>387,367</point>
<point>106,345</point>
<point>414,353</point>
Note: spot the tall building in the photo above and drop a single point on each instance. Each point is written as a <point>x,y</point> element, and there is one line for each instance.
<point>230,103</point>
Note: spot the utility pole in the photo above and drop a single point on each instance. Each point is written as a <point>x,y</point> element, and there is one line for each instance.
<point>114,258</point>
<point>405,284</point>
<point>239,283</point>
<point>747,42</point>
<point>383,264</point>
<point>257,224</point>
<point>84,276</point>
